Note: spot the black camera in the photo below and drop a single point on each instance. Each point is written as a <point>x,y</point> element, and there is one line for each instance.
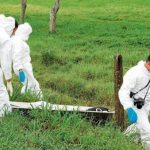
<point>139,102</point>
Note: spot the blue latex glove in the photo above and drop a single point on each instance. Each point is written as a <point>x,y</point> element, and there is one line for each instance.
<point>21,76</point>
<point>132,116</point>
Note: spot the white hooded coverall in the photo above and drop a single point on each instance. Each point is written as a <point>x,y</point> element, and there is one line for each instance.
<point>134,80</point>
<point>22,60</point>
<point>7,25</point>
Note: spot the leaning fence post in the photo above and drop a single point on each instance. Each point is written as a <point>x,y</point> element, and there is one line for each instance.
<point>118,79</point>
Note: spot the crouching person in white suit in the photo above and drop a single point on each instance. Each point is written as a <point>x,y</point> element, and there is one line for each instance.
<point>7,25</point>
<point>22,61</point>
<point>134,95</point>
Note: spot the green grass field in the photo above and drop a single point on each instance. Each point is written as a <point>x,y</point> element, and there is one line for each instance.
<point>75,65</point>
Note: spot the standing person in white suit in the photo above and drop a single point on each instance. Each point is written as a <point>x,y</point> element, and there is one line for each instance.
<point>22,61</point>
<point>134,95</point>
<point>7,25</point>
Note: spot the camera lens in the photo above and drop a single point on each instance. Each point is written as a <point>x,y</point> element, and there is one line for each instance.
<point>139,106</point>
<point>139,103</point>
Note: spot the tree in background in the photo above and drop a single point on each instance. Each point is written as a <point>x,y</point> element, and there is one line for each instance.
<point>23,10</point>
<point>53,14</point>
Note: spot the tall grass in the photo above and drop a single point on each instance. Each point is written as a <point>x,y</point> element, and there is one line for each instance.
<point>52,131</point>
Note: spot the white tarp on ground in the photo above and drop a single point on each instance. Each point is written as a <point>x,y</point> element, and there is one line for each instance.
<point>43,104</point>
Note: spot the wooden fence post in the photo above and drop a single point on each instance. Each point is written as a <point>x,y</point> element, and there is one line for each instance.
<point>118,79</point>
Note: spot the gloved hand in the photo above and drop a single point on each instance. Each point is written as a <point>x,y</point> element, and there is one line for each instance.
<point>132,116</point>
<point>9,88</point>
<point>21,76</point>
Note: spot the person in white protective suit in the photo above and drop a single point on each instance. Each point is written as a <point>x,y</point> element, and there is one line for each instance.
<point>22,61</point>
<point>134,95</point>
<point>7,25</point>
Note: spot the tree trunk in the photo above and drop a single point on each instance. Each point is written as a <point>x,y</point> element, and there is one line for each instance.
<point>118,79</point>
<point>53,14</point>
<point>23,10</point>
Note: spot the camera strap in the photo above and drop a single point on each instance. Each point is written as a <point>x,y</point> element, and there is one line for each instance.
<point>146,92</point>
<point>143,89</point>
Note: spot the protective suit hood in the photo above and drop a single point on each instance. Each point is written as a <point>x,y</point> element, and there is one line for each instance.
<point>8,23</point>
<point>23,31</point>
<point>141,65</point>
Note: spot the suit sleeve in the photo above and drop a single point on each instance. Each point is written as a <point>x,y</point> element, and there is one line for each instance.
<point>6,60</point>
<point>17,54</point>
<point>129,83</point>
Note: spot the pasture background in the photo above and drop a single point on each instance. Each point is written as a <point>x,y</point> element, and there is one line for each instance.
<point>75,66</point>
